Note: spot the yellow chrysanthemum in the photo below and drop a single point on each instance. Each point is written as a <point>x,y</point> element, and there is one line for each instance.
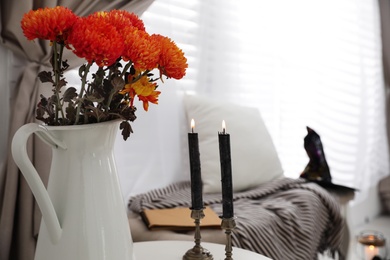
<point>144,89</point>
<point>151,98</point>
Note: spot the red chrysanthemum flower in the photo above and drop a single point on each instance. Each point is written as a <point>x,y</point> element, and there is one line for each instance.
<point>122,19</point>
<point>141,49</point>
<point>172,62</point>
<point>96,40</point>
<point>49,23</point>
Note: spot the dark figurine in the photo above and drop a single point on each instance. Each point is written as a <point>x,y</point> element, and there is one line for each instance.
<point>317,169</point>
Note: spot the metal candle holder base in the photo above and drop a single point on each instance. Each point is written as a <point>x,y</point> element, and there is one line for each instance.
<point>228,224</point>
<point>197,252</point>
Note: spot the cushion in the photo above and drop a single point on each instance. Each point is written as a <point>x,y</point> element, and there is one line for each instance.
<point>253,154</point>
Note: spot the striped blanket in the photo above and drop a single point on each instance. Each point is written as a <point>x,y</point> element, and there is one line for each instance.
<point>282,219</point>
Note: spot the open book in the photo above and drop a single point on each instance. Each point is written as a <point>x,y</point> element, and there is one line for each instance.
<point>178,219</point>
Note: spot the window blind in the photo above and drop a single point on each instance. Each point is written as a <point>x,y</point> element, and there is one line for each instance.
<point>178,20</point>
<point>302,63</point>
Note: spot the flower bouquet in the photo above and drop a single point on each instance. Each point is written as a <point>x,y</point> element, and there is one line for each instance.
<point>127,58</point>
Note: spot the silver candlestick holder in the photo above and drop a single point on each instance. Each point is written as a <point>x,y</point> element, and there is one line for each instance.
<point>197,252</point>
<point>228,224</point>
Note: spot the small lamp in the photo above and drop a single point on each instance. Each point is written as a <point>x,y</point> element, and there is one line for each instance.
<point>371,244</point>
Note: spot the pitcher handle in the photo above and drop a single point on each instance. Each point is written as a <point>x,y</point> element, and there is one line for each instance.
<point>19,153</point>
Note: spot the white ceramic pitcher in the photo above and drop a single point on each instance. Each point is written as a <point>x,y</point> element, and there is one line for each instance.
<point>83,213</point>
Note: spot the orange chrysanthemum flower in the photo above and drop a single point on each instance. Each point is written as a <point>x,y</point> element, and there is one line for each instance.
<point>122,19</point>
<point>172,62</point>
<point>96,40</point>
<point>49,23</point>
<point>144,89</point>
<point>151,98</point>
<point>105,38</point>
<point>141,49</point>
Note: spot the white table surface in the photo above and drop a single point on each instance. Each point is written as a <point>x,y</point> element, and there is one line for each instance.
<point>174,250</point>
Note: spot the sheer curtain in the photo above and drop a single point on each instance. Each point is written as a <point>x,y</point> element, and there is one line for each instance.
<point>19,216</point>
<point>302,63</point>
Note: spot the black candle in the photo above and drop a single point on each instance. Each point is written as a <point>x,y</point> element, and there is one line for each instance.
<point>196,179</point>
<point>226,173</point>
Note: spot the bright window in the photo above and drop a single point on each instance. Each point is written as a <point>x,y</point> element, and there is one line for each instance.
<point>302,63</point>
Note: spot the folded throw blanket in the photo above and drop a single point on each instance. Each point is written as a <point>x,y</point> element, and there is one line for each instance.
<point>282,219</point>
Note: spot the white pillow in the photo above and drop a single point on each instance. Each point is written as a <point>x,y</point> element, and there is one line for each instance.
<point>253,154</point>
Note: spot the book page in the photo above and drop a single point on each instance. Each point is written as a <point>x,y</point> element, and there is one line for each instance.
<point>178,219</point>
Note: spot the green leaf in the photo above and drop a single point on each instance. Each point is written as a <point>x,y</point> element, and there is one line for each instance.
<point>126,129</point>
<point>132,70</point>
<point>96,113</point>
<point>82,70</point>
<point>100,73</point>
<point>65,65</point>
<point>43,101</point>
<point>53,99</point>
<point>70,93</point>
<point>45,76</point>
<point>94,98</point>
<point>129,113</point>
<point>61,83</point>
<point>117,83</point>
<point>40,113</point>
<point>70,111</point>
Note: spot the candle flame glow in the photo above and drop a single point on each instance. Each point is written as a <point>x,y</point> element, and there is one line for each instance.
<point>371,251</point>
<point>192,125</point>
<point>223,126</point>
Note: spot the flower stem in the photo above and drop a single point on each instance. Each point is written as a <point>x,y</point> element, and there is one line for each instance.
<point>127,66</point>
<point>113,90</point>
<point>57,61</point>
<point>82,90</point>
<point>110,99</point>
<point>140,76</point>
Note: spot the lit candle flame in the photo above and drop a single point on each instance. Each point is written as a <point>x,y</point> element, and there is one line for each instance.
<point>371,251</point>
<point>223,126</point>
<point>192,125</point>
